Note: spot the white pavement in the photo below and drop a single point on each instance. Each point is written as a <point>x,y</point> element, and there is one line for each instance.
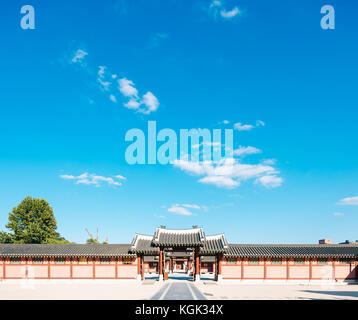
<point>232,291</point>
<point>171,289</point>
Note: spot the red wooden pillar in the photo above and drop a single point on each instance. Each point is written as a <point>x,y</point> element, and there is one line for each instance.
<point>193,263</point>
<point>160,263</point>
<point>216,264</point>
<point>265,269</point>
<point>116,266</point>
<point>71,268</point>
<point>310,269</point>
<point>220,258</point>
<point>3,268</point>
<point>48,268</point>
<point>287,268</point>
<point>242,268</point>
<point>142,268</point>
<point>26,269</point>
<point>333,269</point>
<point>197,264</point>
<point>139,265</point>
<point>94,268</point>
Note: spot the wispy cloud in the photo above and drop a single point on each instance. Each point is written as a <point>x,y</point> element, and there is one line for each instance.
<point>229,14</point>
<point>220,181</point>
<point>192,206</point>
<point>126,87</point>
<point>112,98</point>
<point>243,127</point>
<point>150,102</point>
<point>114,88</point>
<point>93,179</point>
<point>229,173</point>
<point>79,57</point>
<point>353,201</point>
<point>270,181</point>
<point>179,210</point>
<point>218,10</point>
<point>247,127</point>
<point>243,151</point>
<point>183,209</point>
<point>101,76</point>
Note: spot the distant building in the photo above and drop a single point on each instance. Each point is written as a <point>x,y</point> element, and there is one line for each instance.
<point>325,241</point>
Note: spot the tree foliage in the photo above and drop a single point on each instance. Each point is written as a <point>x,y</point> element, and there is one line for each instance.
<point>32,221</point>
<point>94,240</point>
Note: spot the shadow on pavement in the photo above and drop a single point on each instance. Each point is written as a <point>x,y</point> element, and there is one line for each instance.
<point>336,293</point>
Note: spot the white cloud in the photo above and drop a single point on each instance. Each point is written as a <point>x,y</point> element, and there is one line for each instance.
<point>92,179</point>
<point>229,173</point>
<point>112,98</point>
<point>247,127</point>
<point>146,104</point>
<point>353,201</point>
<point>179,210</point>
<point>269,161</point>
<point>220,181</point>
<point>182,209</point>
<point>230,14</point>
<point>242,151</point>
<point>79,57</point>
<point>217,9</point>
<point>243,127</point>
<point>224,122</point>
<point>132,104</point>
<point>192,206</point>
<point>118,176</point>
<point>126,87</point>
<point>270,181</point>
<point>151,102</point>
<point>101,75</point>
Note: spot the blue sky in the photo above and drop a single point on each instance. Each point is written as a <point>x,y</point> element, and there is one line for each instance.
<point>184,64</point>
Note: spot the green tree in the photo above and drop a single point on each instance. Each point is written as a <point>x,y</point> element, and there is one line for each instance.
<point>5,237</point>
<point>32,221</point>
<point>93,240</point>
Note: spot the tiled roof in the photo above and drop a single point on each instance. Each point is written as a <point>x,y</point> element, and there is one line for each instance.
<point>183,237</point>
<point>214,244</point>
<point>143,244</point>
<point>62,250</point>
<point>292,250</point>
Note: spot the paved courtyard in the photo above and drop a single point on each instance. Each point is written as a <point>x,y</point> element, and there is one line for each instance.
<point>238,291</point>
<point>174,289</point>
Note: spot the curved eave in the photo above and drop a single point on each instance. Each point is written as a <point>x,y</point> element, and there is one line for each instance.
<point>151,252</point>
<point>181,245</point>
<point>211,253</point>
